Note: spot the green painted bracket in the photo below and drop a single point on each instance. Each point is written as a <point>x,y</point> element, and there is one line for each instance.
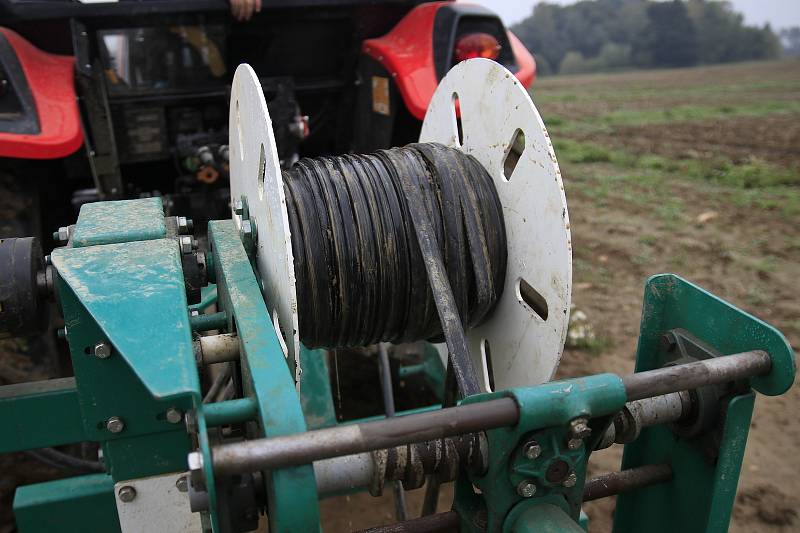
<point>292,492</point>
<point>702,492</point>
<point>23,404</point>
<point>135,293</point>
<point>119,221</point>
<point>672,302</point>
<point>545,413</point>
<point>71,505</point>
<point>315,389</point>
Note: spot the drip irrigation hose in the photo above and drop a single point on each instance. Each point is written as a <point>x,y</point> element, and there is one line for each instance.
<point>65,461</point>
<point>397,246</point>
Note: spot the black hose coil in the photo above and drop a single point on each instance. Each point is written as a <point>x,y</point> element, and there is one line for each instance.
<point>360,275</point>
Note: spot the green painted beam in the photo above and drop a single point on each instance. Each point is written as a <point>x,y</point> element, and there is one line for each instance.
<point>71,505</point>
<point>40,414</point>
<point>119,221</point>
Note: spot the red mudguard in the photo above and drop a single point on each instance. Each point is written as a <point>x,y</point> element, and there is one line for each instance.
<point>406,53</point>
<point>51,81</point>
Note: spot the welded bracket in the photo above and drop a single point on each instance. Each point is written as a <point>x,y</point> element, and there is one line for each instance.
<point>703,488</point>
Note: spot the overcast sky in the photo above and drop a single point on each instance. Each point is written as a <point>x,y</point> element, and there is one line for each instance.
<point>779,13</point>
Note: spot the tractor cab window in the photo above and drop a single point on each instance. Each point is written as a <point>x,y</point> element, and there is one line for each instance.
<point>164,58</point>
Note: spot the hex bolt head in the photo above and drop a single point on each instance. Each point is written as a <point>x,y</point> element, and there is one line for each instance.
<point>182,484</point>
<point>238,207</point>
<point>62,235</point>
<point>526,488</point>
<point>115,424</point>
<point>127,494</point>
<point>186,244</point>
<point>102,350</point>
<point>532,450</point>
<point>196,474</point>
<point>183,225</point>
<point>574,444</point>
<point>579,428</point>
<point>571,480</point>
<point>174,416</point>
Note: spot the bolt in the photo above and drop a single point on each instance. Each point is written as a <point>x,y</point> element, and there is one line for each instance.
<point>174,416</point>
<point>62,235</point>
<point>571,480</point>
<point>532,450</point>
<point>579,428</point>
<point>196,473</point>
<point>182,484</point>
<point>574,444</point>
<point>115,424</point>
<point>48,260</point>
<point>183,225</point>
<point>238,207</point>
<point>526,488</point>
<point>102,350</point>
<point>186,244</point>
<point>127,494</point>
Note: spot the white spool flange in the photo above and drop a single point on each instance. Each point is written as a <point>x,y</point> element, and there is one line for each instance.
<point>256,174</point>
<point>525,348</point>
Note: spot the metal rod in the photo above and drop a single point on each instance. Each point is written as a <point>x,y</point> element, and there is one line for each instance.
<point>625,480</point>
<point>434,523</point>
<point>304,448</point>
<point>209,321</point>
<point>388,406</point>
<point>692,375</point>
<point>230,411</point>
<point>595,488</point>
<point>343,474</point>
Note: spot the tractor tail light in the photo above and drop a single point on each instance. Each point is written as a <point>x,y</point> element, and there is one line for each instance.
<point>476,45</point>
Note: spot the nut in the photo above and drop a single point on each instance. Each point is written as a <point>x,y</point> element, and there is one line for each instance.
<point>62,235</point>
<point>127,494</point>
<point>115,424</point>
<point>186,244</point>
<point>238,207</point>
<point>571,480</point>
<point>183,225</point>
<point>182,484</point>
<point>526,488</point>
<point>102,350</point>
<point>174,416</point>
<point>196,474</point>
<point>579,428</point>
<point>532,450</point>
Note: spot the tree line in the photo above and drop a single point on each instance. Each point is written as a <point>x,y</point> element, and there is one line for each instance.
<point>603,35</point>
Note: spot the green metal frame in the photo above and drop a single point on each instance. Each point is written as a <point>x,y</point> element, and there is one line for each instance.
<point>702,492</point>
<point>121,275</point>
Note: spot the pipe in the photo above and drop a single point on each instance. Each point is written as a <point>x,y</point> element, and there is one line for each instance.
<point>230,411</point>
<point>222,348</point>
<point>209,321</point>
<point>337,474</point>
<point>389,409</point>
<point>697,374</point>
<point>304,448</point>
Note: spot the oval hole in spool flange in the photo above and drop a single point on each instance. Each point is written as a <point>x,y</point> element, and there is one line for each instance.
<point>513,152</point>
<point>486,361</point>
<point>531,297</point>
<point>262,168</point>
<point>459,132</point>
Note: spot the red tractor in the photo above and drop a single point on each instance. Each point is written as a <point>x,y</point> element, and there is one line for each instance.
<point>130,98</point>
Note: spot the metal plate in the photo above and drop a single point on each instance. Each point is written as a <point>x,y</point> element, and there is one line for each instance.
<point>525,348</point>
<point>255,173</point>
<point>158,505</point>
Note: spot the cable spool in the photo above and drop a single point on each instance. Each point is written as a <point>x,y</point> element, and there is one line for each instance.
<point>527,326</point>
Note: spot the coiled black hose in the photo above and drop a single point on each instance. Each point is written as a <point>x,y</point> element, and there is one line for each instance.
<point>361,275</point>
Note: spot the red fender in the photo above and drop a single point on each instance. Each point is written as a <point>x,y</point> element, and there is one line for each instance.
<point>406,52</point>
<point>51,79</point>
